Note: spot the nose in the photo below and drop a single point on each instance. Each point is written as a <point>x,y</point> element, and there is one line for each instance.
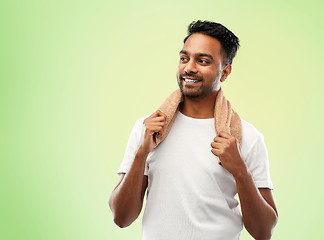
<point>190,67</point>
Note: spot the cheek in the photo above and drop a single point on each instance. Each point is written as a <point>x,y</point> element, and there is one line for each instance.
<point>180,70</point>
<point>216,74</point>
<point>211,75</point>
<point>210,71</point>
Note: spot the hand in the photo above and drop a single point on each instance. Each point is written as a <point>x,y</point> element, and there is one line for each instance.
<point>154,125</point>
<point>226,148</point>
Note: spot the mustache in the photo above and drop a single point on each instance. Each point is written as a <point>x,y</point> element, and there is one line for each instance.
<point>191,75</point>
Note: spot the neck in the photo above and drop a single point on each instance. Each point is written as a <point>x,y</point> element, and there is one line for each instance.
<point>201,108</point>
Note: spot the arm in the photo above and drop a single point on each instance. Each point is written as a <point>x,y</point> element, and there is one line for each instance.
<point>258,207</point>
<point>126,200</point>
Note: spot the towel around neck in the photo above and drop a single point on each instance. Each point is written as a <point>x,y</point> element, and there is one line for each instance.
<point>226,119</point>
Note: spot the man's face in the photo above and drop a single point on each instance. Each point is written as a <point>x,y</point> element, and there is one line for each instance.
<point>200,70</point>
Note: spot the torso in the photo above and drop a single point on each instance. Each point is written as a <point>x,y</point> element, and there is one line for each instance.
<point>189,195</point>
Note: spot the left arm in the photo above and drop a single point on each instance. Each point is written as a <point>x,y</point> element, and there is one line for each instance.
<point>258,208</point>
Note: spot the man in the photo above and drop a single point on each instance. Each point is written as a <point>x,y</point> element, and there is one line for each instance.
<point>192,177</point>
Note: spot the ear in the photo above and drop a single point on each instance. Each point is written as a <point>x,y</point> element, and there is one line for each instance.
<point>226,71</point>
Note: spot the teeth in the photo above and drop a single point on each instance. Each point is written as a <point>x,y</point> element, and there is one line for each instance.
<point>190,80</point>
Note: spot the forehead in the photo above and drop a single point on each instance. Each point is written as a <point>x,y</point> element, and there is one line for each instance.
<point>201,43</point>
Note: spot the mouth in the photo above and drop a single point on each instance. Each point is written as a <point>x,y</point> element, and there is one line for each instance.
<point>191,80</point>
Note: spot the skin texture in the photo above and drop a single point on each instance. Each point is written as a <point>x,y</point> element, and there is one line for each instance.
<point>200,59</point>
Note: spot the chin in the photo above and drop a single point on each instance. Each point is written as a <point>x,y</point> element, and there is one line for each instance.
<point>191,94</point>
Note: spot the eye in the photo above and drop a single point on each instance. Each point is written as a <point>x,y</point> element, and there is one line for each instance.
<point>203,61</point>
<point>183,59</point>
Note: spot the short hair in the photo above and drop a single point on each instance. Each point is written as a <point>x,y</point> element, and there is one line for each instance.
<point>229,42</point>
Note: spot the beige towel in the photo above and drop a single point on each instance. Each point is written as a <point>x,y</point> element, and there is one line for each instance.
<point>226,119</point>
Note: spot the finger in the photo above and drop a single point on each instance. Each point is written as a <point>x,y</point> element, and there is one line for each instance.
<point>155,125</point>
<point>159,113</point>
<point>153,122</point>
<point>156,116</point>
<point>216,145</point>
<point>155,129</point>
<point>215,151</point>
<point>159,119</point>
<point>224,134</point>
<point>220,139</point>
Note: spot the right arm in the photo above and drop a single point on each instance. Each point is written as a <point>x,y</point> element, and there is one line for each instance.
<point>126,200</point>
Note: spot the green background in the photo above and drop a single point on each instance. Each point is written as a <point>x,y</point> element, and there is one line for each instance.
<point>75,75</point>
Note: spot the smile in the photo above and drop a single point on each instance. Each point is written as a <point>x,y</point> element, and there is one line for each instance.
<point>191,80</point>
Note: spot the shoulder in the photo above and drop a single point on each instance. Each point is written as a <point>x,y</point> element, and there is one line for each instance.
<point>254,152</point>
<point>139,122</point>
<point>139,126</point>
<point>250,135</point>
<point>249,132</point>
<point>136,134</point>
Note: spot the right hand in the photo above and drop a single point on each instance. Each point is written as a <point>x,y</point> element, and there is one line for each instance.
<point>154,125</point>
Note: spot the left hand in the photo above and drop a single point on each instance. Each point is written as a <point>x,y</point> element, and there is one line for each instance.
<point>226,148</point>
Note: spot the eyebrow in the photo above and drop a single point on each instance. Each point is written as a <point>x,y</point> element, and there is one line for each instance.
<point>198,54</point>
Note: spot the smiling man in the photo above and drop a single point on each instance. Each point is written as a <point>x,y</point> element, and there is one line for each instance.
<point>192,166</point>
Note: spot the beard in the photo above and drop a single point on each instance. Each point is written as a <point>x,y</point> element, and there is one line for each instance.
<point>196,92</point>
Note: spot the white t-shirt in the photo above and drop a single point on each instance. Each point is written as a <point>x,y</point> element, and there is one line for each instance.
<point>190,196</point>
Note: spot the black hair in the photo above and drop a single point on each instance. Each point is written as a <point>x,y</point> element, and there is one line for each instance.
<point>229,42</point>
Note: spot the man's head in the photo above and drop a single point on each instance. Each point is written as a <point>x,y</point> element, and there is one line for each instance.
<point>205,59</point>
<point>229,42</point>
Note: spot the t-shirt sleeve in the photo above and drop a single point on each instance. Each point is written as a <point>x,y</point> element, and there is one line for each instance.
<point>134,141</point>
<point>258,162</point>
